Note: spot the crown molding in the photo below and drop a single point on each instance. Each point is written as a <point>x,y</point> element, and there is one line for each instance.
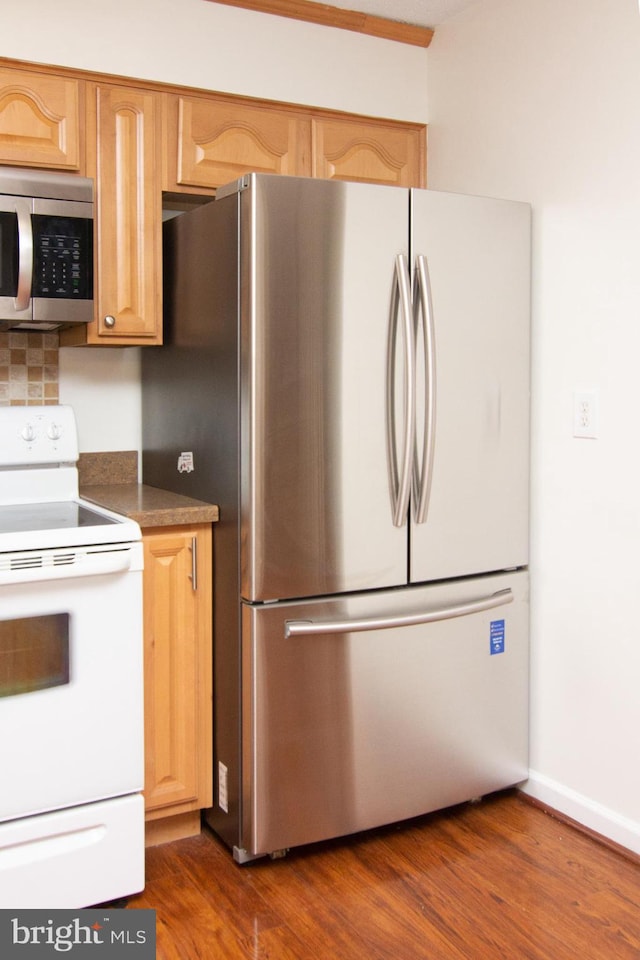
<point>329,16</point>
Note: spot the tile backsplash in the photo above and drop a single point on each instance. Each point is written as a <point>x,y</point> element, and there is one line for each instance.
<point>28,368</point>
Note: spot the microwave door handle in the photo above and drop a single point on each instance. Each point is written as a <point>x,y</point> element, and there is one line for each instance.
<point>25,256</point>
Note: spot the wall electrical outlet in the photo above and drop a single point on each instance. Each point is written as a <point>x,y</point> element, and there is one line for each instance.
<point>585,414</point>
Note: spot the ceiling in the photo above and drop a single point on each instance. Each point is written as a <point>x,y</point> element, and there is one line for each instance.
<point>424,13</point>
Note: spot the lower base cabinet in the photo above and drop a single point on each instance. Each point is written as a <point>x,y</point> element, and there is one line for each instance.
<point>178,679</point>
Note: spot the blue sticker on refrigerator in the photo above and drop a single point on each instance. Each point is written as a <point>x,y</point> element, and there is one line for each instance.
<point>496,636</point>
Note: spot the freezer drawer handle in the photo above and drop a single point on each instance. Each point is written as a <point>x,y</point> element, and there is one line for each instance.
<point>400,480</point>
<point>300,628</point>
<point>423,306</point>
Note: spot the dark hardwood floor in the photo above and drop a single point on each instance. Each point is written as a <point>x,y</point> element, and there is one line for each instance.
<point>496,879</point>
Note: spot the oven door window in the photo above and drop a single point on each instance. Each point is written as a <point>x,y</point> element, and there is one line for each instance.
<point>34,654</point>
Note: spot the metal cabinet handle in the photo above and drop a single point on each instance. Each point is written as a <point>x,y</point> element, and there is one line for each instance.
<point>25,256</point>
<point>193,576</point>
<point>423,308</point>
<point>300,628</point>
<point>109,321</point>
<point>400,478</point>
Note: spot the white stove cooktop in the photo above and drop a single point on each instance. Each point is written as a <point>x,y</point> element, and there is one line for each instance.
<point>64,515</point>
<point>41,526</point>
<point>39,503</point>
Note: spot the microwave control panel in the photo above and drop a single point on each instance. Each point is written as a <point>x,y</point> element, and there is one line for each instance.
<point>62,257</point>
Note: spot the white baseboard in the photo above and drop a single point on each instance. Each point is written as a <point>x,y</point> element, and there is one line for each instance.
<point>585,811</point>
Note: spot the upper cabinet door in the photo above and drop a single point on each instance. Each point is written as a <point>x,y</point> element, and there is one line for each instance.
<point>216,141</point>
<point>369,151</point>
<point>40,120</point>
<point>126,166</point>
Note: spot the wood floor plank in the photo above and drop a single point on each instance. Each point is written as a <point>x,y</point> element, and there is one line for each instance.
<point>486,881</point>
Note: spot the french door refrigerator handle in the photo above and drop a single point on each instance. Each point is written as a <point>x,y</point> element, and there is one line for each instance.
<point>300,628</point>
<point>25,256</point>
<point>400,479</point>
<point>423,308</point>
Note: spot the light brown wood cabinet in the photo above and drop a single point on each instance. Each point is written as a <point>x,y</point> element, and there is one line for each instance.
<point>124,158</point>
<point>213,141</point>
<point>178,679</point>
<point>137,141</point>
<point>369,151</point>
<point>40,120</point>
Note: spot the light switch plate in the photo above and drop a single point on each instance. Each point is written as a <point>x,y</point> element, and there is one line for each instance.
<point>585,414</point>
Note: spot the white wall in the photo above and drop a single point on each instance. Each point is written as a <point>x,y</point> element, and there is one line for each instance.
<point>211,46</point>
<point>103,387</point>
<point>539,101</point>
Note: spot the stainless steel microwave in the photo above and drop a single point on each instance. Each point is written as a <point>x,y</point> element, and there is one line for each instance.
<point>46,249</point>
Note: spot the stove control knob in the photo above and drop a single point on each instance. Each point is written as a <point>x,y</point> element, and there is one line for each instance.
<point>54,431</point>
<point>28,433</point>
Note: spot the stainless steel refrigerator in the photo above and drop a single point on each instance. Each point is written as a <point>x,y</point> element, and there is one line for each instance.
<point>346,373</point>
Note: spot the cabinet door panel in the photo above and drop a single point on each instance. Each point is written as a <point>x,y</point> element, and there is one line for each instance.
<point>177,624</point>
<point>217,142</point>
<point>40,120</point>
<point>128,216</point>
<point>345,149</point>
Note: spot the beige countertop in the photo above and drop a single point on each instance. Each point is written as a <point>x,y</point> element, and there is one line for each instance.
<point>110,480</point>
<point>149,506</point>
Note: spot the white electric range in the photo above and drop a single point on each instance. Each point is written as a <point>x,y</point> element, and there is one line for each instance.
<point>71,681</point>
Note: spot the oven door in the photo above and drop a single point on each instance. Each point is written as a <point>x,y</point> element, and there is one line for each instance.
<point>71,710</point>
